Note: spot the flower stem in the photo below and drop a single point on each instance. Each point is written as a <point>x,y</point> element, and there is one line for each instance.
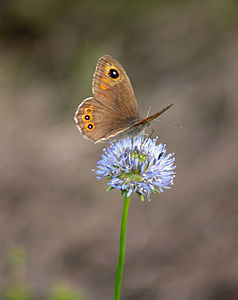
<point>121,258</point>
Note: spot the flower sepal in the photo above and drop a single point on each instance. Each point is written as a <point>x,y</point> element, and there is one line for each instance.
<point>142,198</point>
<point>110,188</point>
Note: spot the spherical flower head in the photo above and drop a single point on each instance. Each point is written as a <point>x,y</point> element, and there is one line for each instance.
<point>138,165</point>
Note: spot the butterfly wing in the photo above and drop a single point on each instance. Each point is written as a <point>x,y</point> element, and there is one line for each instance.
<point>99,122</point>
<point>137,127</point>
<point>147,120</point>
<point>112,87</point>
<point>113,109</point>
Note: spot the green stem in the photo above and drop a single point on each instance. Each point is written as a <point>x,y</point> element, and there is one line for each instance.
<point>121,258</point>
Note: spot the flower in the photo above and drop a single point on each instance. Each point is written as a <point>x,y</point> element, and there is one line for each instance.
<point>138,165</point>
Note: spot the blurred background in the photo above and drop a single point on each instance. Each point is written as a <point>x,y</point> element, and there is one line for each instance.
<point>59,228</point>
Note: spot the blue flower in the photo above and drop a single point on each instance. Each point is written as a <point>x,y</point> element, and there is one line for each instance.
<point>138,165</point>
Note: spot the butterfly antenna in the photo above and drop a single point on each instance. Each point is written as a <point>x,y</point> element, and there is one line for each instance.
<point>148,112</point>
<point>180,125</point>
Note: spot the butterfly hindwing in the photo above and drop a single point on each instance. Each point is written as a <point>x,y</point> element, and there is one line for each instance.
<point>98,122</point>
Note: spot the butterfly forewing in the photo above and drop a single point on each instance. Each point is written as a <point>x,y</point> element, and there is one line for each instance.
<point>112,87</point>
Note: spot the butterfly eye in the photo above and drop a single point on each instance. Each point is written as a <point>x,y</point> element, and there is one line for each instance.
<point>113,73</point>
<point>90,126</point>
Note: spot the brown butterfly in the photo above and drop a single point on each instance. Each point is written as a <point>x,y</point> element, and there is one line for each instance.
<point>113,112</point>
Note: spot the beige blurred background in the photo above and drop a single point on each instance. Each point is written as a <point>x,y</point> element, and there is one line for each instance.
<point>181,245</point>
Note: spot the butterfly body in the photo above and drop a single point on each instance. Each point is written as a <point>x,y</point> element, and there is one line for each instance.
<point>112,113</point>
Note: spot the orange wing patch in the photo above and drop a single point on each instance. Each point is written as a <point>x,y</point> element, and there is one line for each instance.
<point>106,80</point>
<point>103,87</point>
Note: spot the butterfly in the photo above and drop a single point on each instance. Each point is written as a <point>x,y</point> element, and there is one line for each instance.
<point>112,112</point>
